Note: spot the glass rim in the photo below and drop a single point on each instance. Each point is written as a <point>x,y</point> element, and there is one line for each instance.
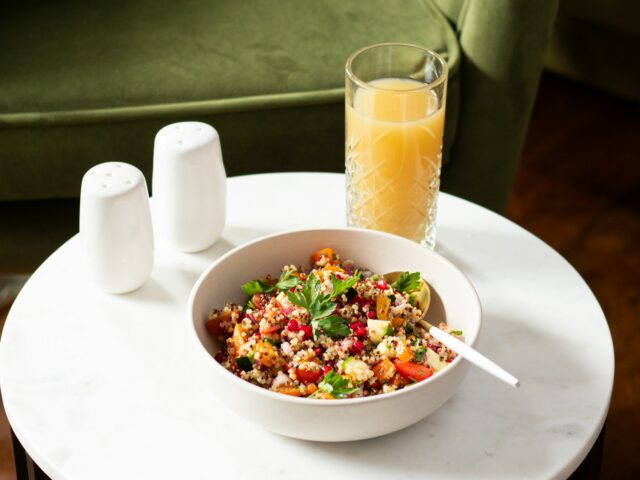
<point>425,86</point>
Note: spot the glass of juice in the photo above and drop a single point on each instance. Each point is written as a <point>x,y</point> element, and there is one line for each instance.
<point>395,103</point>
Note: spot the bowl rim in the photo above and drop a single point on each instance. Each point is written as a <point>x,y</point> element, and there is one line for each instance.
<point>251,388</point>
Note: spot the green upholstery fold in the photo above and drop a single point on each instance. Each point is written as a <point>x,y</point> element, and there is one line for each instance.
<point>503,44</point>
<point>87,82</point>
<point>94,83</point>
<point>598,43</point>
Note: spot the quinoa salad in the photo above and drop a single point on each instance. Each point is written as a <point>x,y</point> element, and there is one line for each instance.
<point>330,331</point>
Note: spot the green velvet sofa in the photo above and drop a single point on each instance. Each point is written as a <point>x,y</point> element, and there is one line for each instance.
<point>595,42</point>
<point>88,82</point>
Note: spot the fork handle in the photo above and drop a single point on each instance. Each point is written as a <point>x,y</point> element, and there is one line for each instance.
<point>473,356</point>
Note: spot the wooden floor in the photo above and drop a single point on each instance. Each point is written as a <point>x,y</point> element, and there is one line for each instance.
<point>578,188</point>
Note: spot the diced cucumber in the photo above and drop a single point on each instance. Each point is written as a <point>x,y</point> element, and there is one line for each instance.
<point>434,361</point>
<point>244,363</point>
<point>378,329</point>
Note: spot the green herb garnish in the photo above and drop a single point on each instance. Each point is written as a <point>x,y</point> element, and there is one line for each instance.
<point>341,286</point>
<point>420,353</point>
<point>335,385</point>
<point>255,286</point>
<point>389,331</point>
<point>321,306</point>
<point>456,332</point>
<point>310,298</point>
<point>407,282</point>
<point>332,326</point>
<point>244,363</point>
<point>285,282</point>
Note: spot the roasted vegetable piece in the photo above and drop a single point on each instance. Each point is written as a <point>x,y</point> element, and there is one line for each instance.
<point>406,355</point>
<point>293,391</point>
<point>397,321</point>
<point>214,328</point>
<point>382,307</point>
<point>384,370</point>
<point>213,324</point>
<point>265,354</point>
<point>323,252</point>
<point>239,337</point>
<point>258,300</point>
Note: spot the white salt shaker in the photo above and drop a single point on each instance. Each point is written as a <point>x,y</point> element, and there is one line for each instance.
<point>115,226</point>
<point>189,186</point>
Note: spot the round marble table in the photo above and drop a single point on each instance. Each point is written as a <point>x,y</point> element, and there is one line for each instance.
<point>100,386</point>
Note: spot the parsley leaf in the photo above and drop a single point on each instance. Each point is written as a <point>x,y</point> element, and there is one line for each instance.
<point>341,286</point>
<point>456,332</point>
<point>256,286</point>
<point>407,282</point>
<point>309,296</point>
<point>335,385</point>
<point>321,307</point>
<point>285,282</point>
<point>332,326</point>
<point>420,353</point>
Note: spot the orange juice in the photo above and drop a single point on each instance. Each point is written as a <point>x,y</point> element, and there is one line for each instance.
<point>393,154</point>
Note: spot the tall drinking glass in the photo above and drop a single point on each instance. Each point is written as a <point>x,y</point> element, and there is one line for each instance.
<point>395,104</point>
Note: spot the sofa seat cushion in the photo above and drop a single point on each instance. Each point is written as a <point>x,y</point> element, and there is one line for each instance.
<point>86,82</point>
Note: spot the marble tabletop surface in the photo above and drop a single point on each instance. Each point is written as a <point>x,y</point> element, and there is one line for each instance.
<point>103,386</point>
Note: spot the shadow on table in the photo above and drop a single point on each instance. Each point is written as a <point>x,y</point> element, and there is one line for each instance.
<point>232,238</point>
<point>151,291</point>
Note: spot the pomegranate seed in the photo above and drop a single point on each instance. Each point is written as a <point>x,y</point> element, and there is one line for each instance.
<point>219,357</point>
<point>355,325</point>
<point>382,285</point>
<point>375,385</point>
<point>293,326</point>
<point>360,331</point>
<point>318,351</point>
<point>326,369</point>
<point>307,332</point>
<point>371,314</point>
<point>357,346</point>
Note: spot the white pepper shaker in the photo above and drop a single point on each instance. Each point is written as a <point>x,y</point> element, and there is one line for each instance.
<point>115,226</point>
<point>189,186</point>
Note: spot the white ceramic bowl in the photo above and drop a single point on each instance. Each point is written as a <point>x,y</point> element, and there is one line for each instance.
<point>330,420</point>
